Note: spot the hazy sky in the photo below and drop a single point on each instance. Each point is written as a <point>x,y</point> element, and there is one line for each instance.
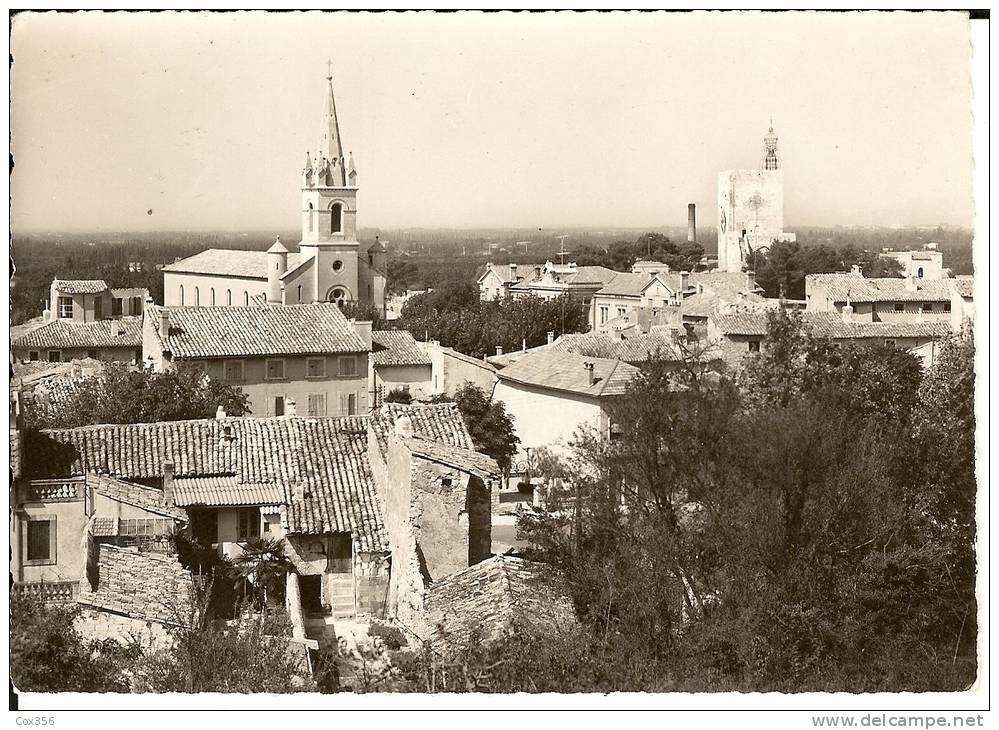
<point>487,120</point>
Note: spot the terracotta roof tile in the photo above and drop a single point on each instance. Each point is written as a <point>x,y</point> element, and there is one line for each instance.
<point>396,347</point>
<point>228,262</point>
<point>209,332</point>
<point>81,286</point>
<point>565,371</point>
<point>466,460</point>
<point>858,288</point>
<point>440,422</point>
<point>831,324</point>
<point>65,334</point>
<point>137,495</point>
<point>631,350</point>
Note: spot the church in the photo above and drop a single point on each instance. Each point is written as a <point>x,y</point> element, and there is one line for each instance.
<point>751,210</point>
<point>331,265</point>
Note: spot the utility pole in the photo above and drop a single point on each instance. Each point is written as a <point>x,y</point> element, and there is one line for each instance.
<point>562,252</point>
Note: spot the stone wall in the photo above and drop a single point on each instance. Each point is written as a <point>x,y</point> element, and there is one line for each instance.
<point>100,625</point>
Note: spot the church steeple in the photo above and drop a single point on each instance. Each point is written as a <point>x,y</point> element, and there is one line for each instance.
<point>331,167</point>
<point>770,159</point>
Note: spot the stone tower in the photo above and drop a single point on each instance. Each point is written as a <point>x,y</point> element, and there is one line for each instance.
<point>751,210</point>
<point>329,211</point>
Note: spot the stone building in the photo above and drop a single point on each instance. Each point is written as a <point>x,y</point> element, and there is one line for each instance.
<point>309,354</point>
<point>884,299</point>
<point>926,263</point>
<point>751,209</point>
<point>331,265</point>
<point>399,363</point>
<point>555,280</point>
<point>495,281</point>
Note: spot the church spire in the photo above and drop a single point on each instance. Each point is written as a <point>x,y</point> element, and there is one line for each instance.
<point>330,145</point>
<point>770,159</point>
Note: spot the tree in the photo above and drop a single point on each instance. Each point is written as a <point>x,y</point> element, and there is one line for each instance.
<point>398,395</point>
<point>121,394</point>
<point>364,313</point>
<point>490,426</point>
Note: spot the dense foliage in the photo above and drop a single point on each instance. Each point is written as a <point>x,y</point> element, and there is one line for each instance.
<point>621,255</point>
<point>490,426</point>
<point>121,394</point>
<point>454,315</point>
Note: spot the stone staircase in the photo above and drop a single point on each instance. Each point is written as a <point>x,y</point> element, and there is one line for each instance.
<point>342,595</point>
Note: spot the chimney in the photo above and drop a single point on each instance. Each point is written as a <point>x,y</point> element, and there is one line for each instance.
<point>551,337</point>
<point>404,426</point>
<point>847,312</point>
<point>523,345</point>
<point>856,270</point>
<point>499,350</point>
<point>115,327</point>
<point>168,496</point>
<point>220,413</point>
<point>911,284</point>
<point>588,366</point>
<point>289,407</point>
<point>684,281</point>
<point>47,315</point>
<point>750,281</point>
<point>298,492</point>
<point>513,272</point>
<point>691,223</point>
<point>164,324</point>
<point>363,328</point>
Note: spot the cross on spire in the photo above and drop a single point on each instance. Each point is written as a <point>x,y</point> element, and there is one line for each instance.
<point>329,70</point>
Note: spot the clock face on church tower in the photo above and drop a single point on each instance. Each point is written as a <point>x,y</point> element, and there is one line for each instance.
<point>724,221</point>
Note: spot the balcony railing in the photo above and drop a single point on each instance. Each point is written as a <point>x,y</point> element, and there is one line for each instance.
<point>62,591</point>
<point>53,490</point>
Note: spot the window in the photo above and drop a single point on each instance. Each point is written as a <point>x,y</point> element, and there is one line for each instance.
<point>946,306</point>
<point>40,540</point>
<point>228,297</point>
<point>309,214</point>
<point>279,405</point>
<point>890,343</point>
<point>347,366</point>
<point>338,296</point>
<point>899,307</point>
<point>33,355</point>
<point>299,292</point>
<point>92,354</point>
<point>246,298</point>
<point>348,404</point>
<point>136,308</point>
<point>315,367</point>
<point>603,314</point>
<point>65,307</point>
<point>116,306</point>
<point>754,346</point>
<point>197,297</point>
<point>233,370</point>
<point>212,291</point>
<point>249,523</point>
<point>99,308</point>
<point>919,272</point>
<point>337,265</point>
<point>621,311</point>
<point>317,404</point>
<point>55,355</point>
<point>274,370</point>
<point>335,215</point>
<point>182,295</point>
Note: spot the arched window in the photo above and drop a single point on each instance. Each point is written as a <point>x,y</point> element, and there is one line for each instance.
<point>310,217</point>
<point>182,295</point>
<point>336,213</point>
<point>197,297</point>
<point>228,297</point>
<point>920,272</point>
<point>246,298</point>
<point>213,295</point>
<point>338,296</point>
<point>299,292</point>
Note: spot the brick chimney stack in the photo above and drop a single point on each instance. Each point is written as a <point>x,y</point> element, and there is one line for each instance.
<point>551,337</point>
<point>751,281</point>
<point>589,372</point>
<point>164,323</point>
<point>691,223</point>
<point>499,350</point>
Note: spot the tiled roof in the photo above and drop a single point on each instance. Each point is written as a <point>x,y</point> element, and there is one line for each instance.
<point>208,332</point>
<point>858,288</point>
<point>440,422</point>
<point>81,286</point>
<point>150,586</point>
<point>580,276</point>
<point>964,285</point>
<point>632,350</point>
<point>524,271</point>
<point>66,334</point>
<point>498,596</point>
<point>217,491</point>
<point>228,262</point>
<point>464,459</point>
<point>396,347</point>
<point>831,324</point>
<point>324,458</point>
<point>103,526</point>
<point>565,371</point>
<point>632,285</point>
<point>709,300</point>
<point>137,495</point>
<point>726,283</point>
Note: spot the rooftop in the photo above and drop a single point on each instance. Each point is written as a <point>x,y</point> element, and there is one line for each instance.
<point>218,491</point>
<point>831,324</point>
<point>441,422</point>
<point>579,276</point>
<point>396,347</point>
<point>565,371</point>
<point>498,596</point>
<point>858,288</point>
<point>211,332</point>
<point>67,334</point>
<point>632,285</point>
<point>80,286</point>
<point>149,499</point>
<point>482,466</point>
<point>505,273</point>
<point>228,262</point>
<point>640,348</point>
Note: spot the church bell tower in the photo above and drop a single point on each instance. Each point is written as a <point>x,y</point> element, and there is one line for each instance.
<point>329,213</point>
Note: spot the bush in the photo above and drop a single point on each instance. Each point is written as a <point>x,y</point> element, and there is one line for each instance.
<point>390,635</point>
